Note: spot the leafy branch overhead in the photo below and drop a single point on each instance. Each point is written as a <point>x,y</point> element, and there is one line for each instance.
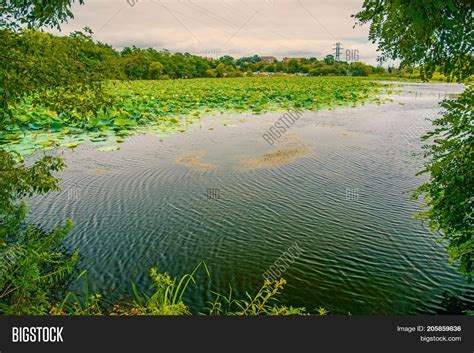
<point>435,34</point>
<point>438,35</point>
<point>17,14</point>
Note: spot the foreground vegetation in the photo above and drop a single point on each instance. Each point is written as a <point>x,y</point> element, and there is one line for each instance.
<point>165,297</point>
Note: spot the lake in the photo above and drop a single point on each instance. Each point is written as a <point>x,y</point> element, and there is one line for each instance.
<point>336,184</point>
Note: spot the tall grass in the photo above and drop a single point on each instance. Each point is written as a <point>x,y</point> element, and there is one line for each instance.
<point>165,297</point>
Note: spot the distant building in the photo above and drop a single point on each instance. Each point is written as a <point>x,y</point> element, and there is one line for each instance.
<point>268,59</point>
<point>264,73</point>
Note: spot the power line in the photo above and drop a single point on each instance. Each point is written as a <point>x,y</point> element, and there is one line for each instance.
<point>221,19</point>
<point>177,19</point>
<point>316,19</point>
<point>233,35</point>
<point>234,9</point>
<point>271,22</point>
<point>110,19</point>
<point>207,13</point>
<point>191,18</point>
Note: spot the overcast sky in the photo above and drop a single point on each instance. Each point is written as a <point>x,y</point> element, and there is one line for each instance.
<point>292,28</point>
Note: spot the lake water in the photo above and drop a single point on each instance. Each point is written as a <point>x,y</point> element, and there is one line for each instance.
<point>336,184</point>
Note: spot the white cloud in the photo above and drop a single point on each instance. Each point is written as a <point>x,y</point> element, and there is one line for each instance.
<point>293,28</point>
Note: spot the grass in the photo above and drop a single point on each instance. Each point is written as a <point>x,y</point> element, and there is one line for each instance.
<point>165,297</point>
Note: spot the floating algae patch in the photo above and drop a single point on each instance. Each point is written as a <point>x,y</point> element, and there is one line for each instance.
<point>193,160</point>
<point>108,148</point>
<point>284,153</point>
<point>97,171</point>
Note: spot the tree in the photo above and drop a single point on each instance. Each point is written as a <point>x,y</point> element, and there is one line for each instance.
<point>449,192</point>
<point>314,72</point>
<point>32,265</point>
<point>293,66</point>
<point>360,69</point>
<point>329,59</point>
<point>248,59</point>
<point>327,70</point>
<point>35,14</point>
<point>379,70</point>
<point>126,51</point>
<point>156,69</point>
<point>269,68</point>
<point>437,34</point>
<point>58,72</point>
<point>220,69</point>
<point>227,60</point>
<point>136,65</point>
<point>211,73</point>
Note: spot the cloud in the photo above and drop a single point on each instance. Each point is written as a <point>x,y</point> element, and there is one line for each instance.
<point>292,28</point>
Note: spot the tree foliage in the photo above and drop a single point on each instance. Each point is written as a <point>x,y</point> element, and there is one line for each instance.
<point>437,35</point>
<point>33,266</point>
<point>64,73</point>
<point>34,13</point>
<point>433,34</point>
<point>449,193</point>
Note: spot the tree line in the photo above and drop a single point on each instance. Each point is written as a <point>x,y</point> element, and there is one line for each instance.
<point>136,63</point>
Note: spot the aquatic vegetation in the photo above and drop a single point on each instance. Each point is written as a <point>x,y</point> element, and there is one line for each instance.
<point>287,150</point>
<point>165,297</point>
<point>264,302</point>
<point>193,160</point>
<point>164,107</point>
